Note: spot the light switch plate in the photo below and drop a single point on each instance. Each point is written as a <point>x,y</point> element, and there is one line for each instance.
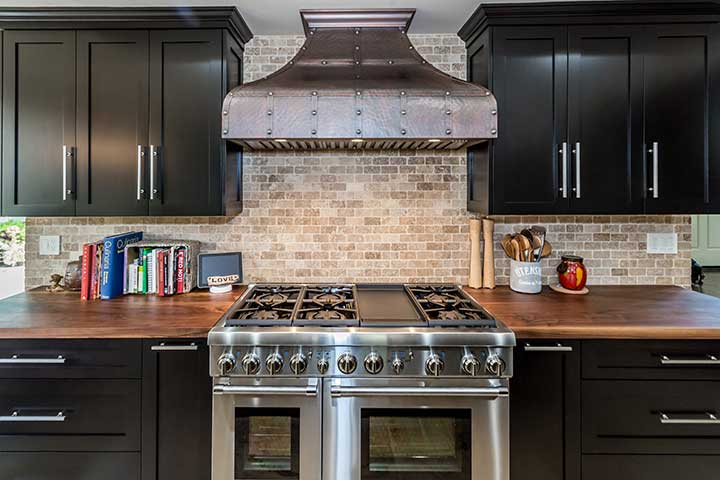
<point>662,243</point>
<point>50,245</point>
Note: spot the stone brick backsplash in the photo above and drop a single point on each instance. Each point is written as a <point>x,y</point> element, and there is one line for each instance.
<point>375,216</point>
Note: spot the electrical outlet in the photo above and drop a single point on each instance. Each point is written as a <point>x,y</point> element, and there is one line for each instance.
<point>662,243</point>
<point>50,245</point>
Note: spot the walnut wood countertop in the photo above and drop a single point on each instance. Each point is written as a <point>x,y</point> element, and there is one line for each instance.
<point>621,312</point>
<point>38,314</point>
<point>630,312</point>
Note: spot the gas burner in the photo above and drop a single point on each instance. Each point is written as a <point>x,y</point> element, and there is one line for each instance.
<point>448,306</point>
<point>326,314</point>
<point>273,298</point>
<point>271,305</point>
<point>328,298</point>
<point>328,305</point>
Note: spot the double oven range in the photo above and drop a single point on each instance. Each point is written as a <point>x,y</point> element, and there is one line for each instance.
<point>360,382</point>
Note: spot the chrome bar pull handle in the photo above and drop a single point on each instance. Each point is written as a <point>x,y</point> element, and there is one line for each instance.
<point>655,151</point>
<point>174,348</point>
<point>59,360</point>
<point>547,348</point>
<point>484,392</point>
<point>709,418</point>
<point>311,390</point>
<point>707,360</point>
<point>153,163</point>
<point>16,417</point>
<point>577,170</point>
<point>66,189</point>
<point>564,155</point>
<point>140,155</point>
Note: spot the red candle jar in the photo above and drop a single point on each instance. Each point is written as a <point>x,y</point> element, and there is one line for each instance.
<point>572,273</point>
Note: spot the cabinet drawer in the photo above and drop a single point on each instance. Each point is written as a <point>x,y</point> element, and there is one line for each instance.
<point>646,360</point>
<point>70,466</point>
<point>663,417</point>
<point>69,415</point>
<point>650,467</point>
<point>111,358</point>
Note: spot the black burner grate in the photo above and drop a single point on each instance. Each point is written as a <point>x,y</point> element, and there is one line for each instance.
<point>266,305</point>
<point>328,306</point>
<point>448,306</point>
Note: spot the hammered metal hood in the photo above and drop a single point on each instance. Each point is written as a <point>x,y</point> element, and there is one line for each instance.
<point>358,82</point>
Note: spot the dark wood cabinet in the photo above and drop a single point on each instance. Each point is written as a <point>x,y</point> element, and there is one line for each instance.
<point>38,137</point>
<point>603,108</point>
<point>70,466</point>
<point>545,411</point>
<point>177,410</point>
<point>112,86</point>
<point>650,467</point>
<point>186,91</point>
<point>101,121</point>
<point>682,65</point>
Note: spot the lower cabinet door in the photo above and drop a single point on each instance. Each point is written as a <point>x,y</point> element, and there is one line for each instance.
<point>650,467</point>
<point>70,466</point>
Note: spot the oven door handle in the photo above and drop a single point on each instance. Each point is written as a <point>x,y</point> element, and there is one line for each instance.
<point>485,392</point>
<point>310,390</point>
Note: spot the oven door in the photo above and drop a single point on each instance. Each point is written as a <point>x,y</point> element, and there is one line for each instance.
<point>267,429</point>
<point>398,429</point>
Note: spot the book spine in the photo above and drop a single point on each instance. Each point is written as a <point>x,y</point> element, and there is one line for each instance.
<point>161,273</point>
<point>93,272</point>
<point>85,272</point>
<point>151,269</point>
<point>181,270</point>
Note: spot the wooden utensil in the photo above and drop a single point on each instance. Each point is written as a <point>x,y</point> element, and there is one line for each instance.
<point>516,249</point>
<point>475,279</point>
<point>488,228</point>
<point>525,248</point>
<point>507,246</point>
<point>536,242</point>
<point>542,233</point>
<point>546,250</point>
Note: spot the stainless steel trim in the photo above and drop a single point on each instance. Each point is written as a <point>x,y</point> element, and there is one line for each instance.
<point>577,170</point>
<point>488,392</point>
<point>711,419</point>
<point>153,164</point>
<point>173,348</point>
<point>547,348</point>
<point>139,172</point>
<point>564,153</point>
<point>16,417</point>
<point>311,390</point>
<point>655,154</point>
<point>59,360</point>
<point>65,156</point>
<point>708,360</point>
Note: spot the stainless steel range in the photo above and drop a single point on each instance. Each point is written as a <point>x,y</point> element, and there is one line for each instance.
<point>360,382</point>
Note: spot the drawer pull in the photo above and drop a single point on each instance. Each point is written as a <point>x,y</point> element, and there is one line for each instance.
<point>59,360</point>
<point>548,348</point>
<point>173,348</point>
<point>16,417</point>
<point>711,419</point>
<point>708,360</point>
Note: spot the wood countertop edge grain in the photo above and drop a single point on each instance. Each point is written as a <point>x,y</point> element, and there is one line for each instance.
<point>608,312</point>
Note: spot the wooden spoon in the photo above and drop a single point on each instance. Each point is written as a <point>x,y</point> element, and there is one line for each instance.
<point>547,250</point>
<point>516,248</point>
<point>507,246</point>
<point>525,247</point>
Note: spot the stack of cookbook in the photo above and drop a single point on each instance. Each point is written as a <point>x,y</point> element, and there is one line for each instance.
<point>161,267</point>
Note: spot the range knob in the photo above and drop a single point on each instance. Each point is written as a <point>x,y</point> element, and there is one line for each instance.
<point>434,365</point>
<point>398,365</point>
<point>495,365</point>
<point>347,363</point>
<point>298,363</point>
<point>226,363</point>
<point>274,363</point>
<point>323,365</point>
<point>250,364</point>
<point>470,365</point>
<point>373,363</point>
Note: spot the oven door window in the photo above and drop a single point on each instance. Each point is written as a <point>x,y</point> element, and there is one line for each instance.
<point>420,444</point>
<point>267,443</point>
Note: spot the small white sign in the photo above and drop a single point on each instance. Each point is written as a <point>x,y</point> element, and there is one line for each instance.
<point>49,244</point>
<point>662,243</point>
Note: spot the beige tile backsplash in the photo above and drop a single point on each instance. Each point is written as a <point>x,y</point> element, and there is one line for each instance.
<point>376,216</point>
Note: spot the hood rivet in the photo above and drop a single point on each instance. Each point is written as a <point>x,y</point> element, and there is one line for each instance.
<point>269,112</point>
<point>358,92</point>
<point>359,112</point>
<point>269,131</point>
<point>493,112</point>
<point>411,47</point>
<point>448,112</point>
<point>270,94</point>
<point>493,131</point>
<point>403,131</point>
<point>358,131</point>
<point>403,112</point>
<point>357,62</point>
<point>487,94</point>
<point>402,93</point>
<point>225,131</point>
<point>314,94</point>
<point>314,112</point>
<point>225,112</point>
<point>313,132</point>
<point>390,62</point>
<point>357,32</point>
<point>448,131</point>
<point>324,62</point>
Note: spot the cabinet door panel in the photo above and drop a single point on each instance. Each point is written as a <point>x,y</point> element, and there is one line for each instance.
<point>112,121</point>
<point>677,80</point>
<point>605,119</point>
<point>177,410</point>
<point>70,466</point>
<point>186,102</point>
<point>650,467</point>
<point>530,83</point>
<point>38,119</point>
<point>545,412</point>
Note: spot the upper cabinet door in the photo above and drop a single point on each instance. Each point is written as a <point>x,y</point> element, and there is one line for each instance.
<point>38,123</point>
<point>681,144</point>
<point>112,122</point>
<point>186,92</point>
<point>605,119</point>
<point>530,83</point>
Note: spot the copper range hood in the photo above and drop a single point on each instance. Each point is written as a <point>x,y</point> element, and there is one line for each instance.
<point>358,82</point>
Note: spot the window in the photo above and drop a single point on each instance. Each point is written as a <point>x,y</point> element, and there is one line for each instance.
<point>12,256</point>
